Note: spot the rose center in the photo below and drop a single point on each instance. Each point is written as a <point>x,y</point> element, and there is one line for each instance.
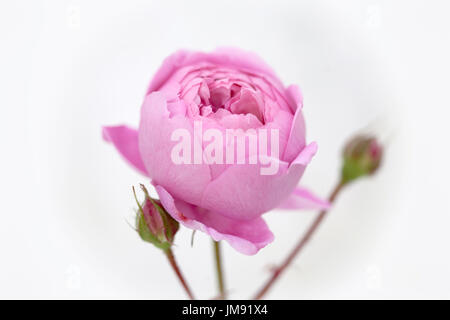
<point>211,90</point>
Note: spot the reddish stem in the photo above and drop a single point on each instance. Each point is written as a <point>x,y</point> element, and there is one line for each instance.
<point>303,240</point>
<point>177,270</point>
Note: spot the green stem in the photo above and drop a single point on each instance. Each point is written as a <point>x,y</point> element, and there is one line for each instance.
<point>303,240</point>
<point>177,270</point>
<point>219,271</point>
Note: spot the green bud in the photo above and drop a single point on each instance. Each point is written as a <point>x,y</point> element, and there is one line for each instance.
<point>153,223</point>
<point>362,157</point>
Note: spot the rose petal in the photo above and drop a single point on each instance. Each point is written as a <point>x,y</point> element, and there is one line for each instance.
<point>302,198</point>
<point>169,65</point>
<point>295,97</point>
<point>125,139</point>
<point>239,58</point>
<point>185,181</point>
<point>296,141</point>
<point>281,122</point>
<point>305,157</point>
<point>225,57</point>
<point>242,192</point>
<point>247,237</point>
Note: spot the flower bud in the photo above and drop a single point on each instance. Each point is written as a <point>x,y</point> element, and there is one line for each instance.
<point>362,157</point>
<point>153,223</point>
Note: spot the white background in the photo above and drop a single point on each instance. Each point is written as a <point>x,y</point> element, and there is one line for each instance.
<point>68,67</point>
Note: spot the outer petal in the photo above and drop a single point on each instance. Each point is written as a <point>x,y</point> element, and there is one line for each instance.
<point>125,139</point>
<point>184,181</point>
<point>247,237</point>
<point>295,97</point>
<point>305,157</point>
<point>244,59</point>
<point>281,122</point>
<point>241,192</point>
<point>296,141</point>
<point>302,198</point>
<point>168,67</point>
<point>229,57</point>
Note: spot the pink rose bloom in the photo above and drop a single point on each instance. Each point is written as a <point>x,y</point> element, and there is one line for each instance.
<point>225,89</point>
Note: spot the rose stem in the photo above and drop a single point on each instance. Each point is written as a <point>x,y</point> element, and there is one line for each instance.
<point>219,271</point>
<point>303,240</point>
<point>177,270</point>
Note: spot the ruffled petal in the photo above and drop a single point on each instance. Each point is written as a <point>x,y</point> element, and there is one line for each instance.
<point>125,139</point>
<point>247,237</point>
<point>303,199</point>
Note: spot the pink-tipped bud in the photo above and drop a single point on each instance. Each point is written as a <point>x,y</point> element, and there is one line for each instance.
<point>362,157</point>
<point>153,223</point>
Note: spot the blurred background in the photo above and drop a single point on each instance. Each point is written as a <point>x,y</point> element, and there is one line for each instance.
<point>69,67</point>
